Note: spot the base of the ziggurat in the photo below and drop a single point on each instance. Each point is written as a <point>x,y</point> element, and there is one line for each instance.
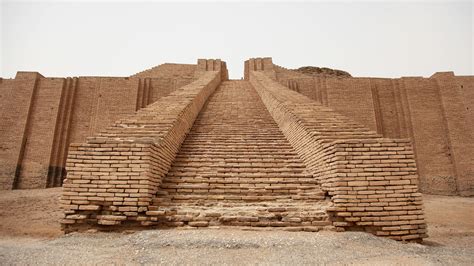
<point>248,153</point>
<point>286,215</point>
<point>273,215</point>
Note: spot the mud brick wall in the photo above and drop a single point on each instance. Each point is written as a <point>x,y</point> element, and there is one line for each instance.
<point>15,104</point>
<point>113,177</point>
<point>159,81</point>
<point>457,120</point>
<point>168,70</point>
<point>435,113</point>
<point>259,64</point>
<point>371,180</point>
<point>349,96</point>
<point>212,65</point>
<point>41,116</point>
<point>465,87</point>
<point>39,137</point>
<point>99,101</point>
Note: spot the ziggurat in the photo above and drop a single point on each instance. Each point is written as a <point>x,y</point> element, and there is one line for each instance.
<point>182,145</point>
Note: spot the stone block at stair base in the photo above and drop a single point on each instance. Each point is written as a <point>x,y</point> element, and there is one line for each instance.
<point>383,194</point>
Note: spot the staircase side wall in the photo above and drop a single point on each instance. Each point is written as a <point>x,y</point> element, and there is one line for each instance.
<point>433,112</point>
<point>113,176</point>
<point>168,70</point>
<point>372,181</point>
<point>41,116</point>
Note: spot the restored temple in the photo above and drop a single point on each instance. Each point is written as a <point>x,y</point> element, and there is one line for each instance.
<point>182,145</point>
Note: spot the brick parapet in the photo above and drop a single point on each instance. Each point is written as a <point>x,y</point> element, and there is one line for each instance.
<point>113,177</point>
<point>167,70</point>
<point>372,181</point>
<point>259,64</point>
<point>212,65</point>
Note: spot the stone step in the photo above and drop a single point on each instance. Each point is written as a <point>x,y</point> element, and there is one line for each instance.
<point>244,181</point>
<point>235,154</point>
<point>263,214</point>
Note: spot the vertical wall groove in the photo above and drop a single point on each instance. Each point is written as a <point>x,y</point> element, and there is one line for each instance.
<point>64,145</point>
<point>148,92</point>
<point>16,179</point>
<point>402,127</point>
<point>378,113</point>
<point>53,161</point>
<point>139,95</point>
<point>451,154</point>
<point>62,132</point>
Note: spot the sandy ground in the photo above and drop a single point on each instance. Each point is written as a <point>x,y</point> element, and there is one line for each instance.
<point>30,234</point>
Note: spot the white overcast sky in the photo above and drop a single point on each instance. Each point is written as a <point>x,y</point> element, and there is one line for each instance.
<point>377,38</point>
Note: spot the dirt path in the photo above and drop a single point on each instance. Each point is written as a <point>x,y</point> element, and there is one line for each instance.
<point>450,220</point>
<point>29,234</point>
<point>33,213</point>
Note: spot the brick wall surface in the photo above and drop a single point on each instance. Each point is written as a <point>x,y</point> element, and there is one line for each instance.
<point>428,132</point>
<point>458,130</point>
<point>168,70</point>
<point>16,101</point>
<point>386,109</point>
<point>114,97</point>
<point>465,88</point>
<point>352,98</point>
<point>372,180</point>
<point>39,136</point>
<point>100,101</point>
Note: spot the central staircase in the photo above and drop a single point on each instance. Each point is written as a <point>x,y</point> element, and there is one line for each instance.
<point>236,168</point>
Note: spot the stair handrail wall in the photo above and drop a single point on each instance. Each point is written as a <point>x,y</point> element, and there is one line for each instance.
<point>371,180</point>
<point>113,176</point>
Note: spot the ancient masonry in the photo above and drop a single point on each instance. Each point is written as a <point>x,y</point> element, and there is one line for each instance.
<point>181,145</point>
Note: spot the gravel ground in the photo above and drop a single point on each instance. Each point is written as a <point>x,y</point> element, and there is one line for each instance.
<point>230,246</point>
<point>32,237</point>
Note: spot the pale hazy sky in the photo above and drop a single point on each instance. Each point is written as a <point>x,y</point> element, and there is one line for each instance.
<point>379,39</point>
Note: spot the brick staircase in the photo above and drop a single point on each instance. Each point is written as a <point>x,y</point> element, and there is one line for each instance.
<point>236,167</point>
<point>242,153</point>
